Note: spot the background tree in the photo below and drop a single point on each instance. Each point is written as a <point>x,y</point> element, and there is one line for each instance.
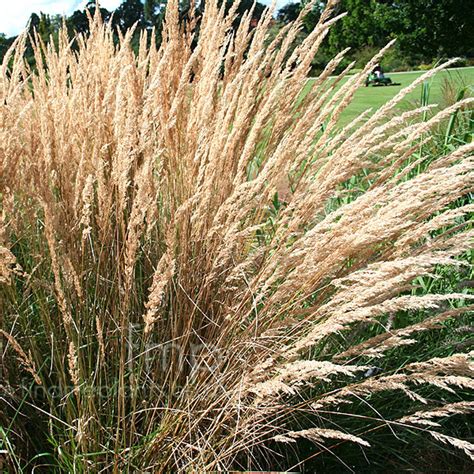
<point>44,26</point>
<point>5,43</point>
<point>428,29</point>
<point>149,12</point>
<point>79,20</point>
<point>312,18</point>
<point>289,12</point>
<point>129,13</point>
<point>33,23</point>
<point>361,27</point>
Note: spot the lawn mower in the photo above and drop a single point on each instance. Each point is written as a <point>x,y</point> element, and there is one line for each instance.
<point>379,80</point>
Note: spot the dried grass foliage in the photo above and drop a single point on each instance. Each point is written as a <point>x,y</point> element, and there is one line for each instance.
<point>141,188</point>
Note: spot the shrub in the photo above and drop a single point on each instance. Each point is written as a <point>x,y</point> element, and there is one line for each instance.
<point>425,67</point>
<point>201,271</point>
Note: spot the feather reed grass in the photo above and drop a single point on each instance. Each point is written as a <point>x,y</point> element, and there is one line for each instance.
<point>178,312</point>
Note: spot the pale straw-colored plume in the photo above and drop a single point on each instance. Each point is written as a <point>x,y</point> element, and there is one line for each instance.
<point>318,435</point>
<point>24,359</point>
<point>212,263</point>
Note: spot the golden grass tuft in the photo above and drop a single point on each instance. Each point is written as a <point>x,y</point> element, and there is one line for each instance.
<point>138,196</point>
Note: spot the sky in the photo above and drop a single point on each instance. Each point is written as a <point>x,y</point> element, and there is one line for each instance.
<point>15,13</point>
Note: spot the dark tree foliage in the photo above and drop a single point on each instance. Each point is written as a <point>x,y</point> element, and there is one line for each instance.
<point>430,28</point>
<point>33,23</point>
<point>129,13</point>
<point>149,11</point>
<point>5,44</point>
<point>45,26</point>
<point>79,22</point>
<point>426,29</point>
<point>246,5</point>
<point>289,12</point>
<point>360,27</point>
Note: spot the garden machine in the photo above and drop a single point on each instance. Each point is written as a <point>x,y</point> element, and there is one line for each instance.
<point>379,79</point>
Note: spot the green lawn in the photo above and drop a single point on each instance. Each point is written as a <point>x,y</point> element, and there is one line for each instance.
<point>374,97</point>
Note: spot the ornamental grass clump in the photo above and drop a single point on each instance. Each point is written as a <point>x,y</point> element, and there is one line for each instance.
<point>201,271</point>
